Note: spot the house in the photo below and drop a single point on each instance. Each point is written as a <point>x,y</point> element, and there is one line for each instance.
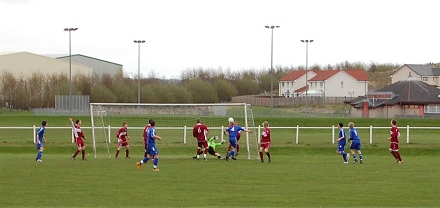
<point>426,73</point>
<point>324,83</point>
<point>410,97</point>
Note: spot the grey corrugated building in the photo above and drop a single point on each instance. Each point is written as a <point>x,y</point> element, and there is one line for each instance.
<point>99,66</point>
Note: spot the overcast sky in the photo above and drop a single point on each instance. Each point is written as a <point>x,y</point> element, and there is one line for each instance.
<point>182,34</point>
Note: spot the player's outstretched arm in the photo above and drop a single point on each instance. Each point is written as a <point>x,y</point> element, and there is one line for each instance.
<point>157,137</point>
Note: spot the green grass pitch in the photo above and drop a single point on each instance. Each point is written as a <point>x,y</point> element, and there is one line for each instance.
<point>309,174</point>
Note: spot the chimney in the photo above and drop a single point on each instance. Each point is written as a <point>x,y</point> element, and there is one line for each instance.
<point>366,111</point>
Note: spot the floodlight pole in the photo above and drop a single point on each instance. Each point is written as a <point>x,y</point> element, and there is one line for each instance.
<point>70,65</point>
<point>307,70</point>
<point>271,67</point>
<point>139,68</point>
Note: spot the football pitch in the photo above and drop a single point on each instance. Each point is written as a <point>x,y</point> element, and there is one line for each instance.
<point>309,174</point>
<point>302,178</point>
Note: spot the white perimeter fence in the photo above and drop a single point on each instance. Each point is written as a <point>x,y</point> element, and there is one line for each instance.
<point>332,130</point>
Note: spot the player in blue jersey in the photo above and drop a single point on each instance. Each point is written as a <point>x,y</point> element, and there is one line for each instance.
<point>40,141</point>
<point>355,143</point>
<point>341,143</point>
<point>151,147</point>
<point>233,133</point>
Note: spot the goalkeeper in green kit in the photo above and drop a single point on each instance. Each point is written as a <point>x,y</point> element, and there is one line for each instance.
<point>212,145</point>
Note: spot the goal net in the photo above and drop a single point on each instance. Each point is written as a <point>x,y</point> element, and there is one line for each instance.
<point>174,123</point>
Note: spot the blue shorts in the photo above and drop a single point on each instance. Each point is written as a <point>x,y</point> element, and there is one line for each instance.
<point>355,146</point>
<point>340,148</point>
<point>152,151</point>
<point>39,146</point>
<point>233,142</point>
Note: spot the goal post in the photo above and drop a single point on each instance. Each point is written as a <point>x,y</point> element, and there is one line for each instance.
<point>174,123</point>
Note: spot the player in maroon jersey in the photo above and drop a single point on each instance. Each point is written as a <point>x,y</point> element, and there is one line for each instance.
<point>265,142</point>
<point>238,139</point>
<point>199,132</point>
<point>79,136</point>
<point>122,136</point>
<point>394,141</point>
<point>144,134</point>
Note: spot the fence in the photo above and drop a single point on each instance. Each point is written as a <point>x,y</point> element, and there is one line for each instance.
<point>67,105</point>
<point>256,100</point>
<point>332,130</point>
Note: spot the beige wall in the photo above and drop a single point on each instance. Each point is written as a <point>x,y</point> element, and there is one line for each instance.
<point>351,87</point>
<point>23,64</point>
<point>385,112</point>
<point>403,73</point>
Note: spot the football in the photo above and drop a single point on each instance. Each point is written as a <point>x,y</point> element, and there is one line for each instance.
<point>230,120</point>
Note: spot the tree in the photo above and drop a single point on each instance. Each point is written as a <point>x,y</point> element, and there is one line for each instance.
<point>180,93</point>
<point>202,91</point>
<point>36,90</point>
<point>101,94</point>
<point>8,87</point>
<point>247,86</point>
<point>83,84</point>
<point>124,93</point>
<point>225,90</point>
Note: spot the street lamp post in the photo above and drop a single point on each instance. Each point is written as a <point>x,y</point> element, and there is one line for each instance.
<point>70,64</point>
<point>307,70</point>
<point>271,67</point>
<point>139,68</point>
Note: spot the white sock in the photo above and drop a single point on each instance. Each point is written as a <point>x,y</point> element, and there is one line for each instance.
<point>204,155</point>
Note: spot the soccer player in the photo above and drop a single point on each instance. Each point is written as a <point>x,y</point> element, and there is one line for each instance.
<point>122,136</point>
<point>199,132</point>
<point>144,134</point>
<point>79,136</point>
<point>212,145</point>
<point>355,143</point>
<point>40,141</point>
<point>233,133</point>
<point>394,141</point>
<point>341,143</point>
<point>238,140</point>
<point>152,150</point>
<point>265,142</point>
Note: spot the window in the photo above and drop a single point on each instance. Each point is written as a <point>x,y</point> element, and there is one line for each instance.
<point>292,83</point>
<point>287,84</point>
<point>425,79</point>
<point>342,84</point>
<point>432,108</point>
<point>321,84</point>
<point>282,84</point>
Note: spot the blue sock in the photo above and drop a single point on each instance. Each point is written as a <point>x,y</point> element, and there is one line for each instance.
<point>354,157</point>
<point>344,156</point>
<point>360,156</point>
<point>40,153</point>
<point>155,161</point>
<point>145,159</point>
<point>231,153</point>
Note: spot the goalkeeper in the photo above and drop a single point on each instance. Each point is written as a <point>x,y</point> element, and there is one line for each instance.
<point>212,145</point>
